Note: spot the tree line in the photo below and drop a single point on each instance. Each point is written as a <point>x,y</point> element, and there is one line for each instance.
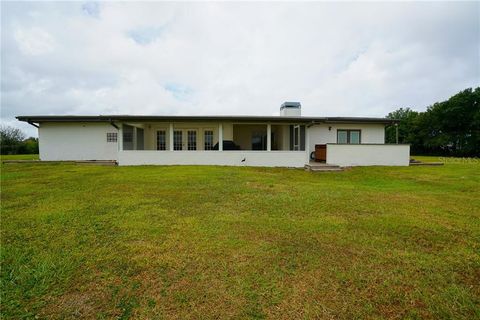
<point>447,128</point>
<point>13,141</point>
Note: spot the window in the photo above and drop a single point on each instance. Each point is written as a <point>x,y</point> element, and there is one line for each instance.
<point>177,140</point>
<point>111,137</point>
<point>208,140</point>
<point>342,136</point>
<point>192,140</point>
<point>354,137</point>
<point>296,138</point>
<point>349,136</point>
<point>161,140</point>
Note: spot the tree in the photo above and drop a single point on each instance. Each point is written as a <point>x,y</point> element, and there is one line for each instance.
<point>10,139</point>
<point>407,119</point>
<point>450,127</point>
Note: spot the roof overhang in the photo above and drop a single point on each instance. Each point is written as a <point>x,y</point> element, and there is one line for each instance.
<point>140,118</point>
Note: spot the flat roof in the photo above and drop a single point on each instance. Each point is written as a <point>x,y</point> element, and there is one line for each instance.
<point>145,118</point>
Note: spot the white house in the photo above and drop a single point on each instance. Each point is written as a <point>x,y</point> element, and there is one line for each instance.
<point>288,140</point>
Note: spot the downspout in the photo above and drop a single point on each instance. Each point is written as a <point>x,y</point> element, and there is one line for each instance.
<point>307,140</point>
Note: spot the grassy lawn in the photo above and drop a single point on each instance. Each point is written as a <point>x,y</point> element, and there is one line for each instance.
<point>221,242</point>
<point>19,157</point>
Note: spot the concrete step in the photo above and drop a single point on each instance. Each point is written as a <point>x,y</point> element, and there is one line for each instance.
<point>97,162</point>
<point>325,169</point>
<point>426,163</point>
<point>322,167</point>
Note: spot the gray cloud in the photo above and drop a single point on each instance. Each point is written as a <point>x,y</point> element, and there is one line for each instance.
<point>234,58</point>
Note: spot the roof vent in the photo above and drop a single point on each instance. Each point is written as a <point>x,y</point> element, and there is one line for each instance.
<point>291,109</point>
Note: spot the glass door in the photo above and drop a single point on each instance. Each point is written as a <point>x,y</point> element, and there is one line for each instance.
<point>192,140</point>
<point>161,140</point>
<point>296,137</point>
<point>177,140</point>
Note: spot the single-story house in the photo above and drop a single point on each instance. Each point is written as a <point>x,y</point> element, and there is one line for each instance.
<point>288,140</point>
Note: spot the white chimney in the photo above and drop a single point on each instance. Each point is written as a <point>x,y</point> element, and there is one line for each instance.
<point>291,109</point>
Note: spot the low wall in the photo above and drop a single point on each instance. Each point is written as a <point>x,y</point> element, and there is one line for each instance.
<point>347,155</point>
<point>221,158</point>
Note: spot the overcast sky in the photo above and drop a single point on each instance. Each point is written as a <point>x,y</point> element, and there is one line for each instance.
<point>337,59</point>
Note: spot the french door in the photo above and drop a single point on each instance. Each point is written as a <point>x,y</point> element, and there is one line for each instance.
<point>177,140</point>
<point>191,139</point>
<point>185,139</point>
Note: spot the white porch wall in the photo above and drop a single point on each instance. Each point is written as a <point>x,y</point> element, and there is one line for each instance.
<point>347,155</point>
<point>76,141</point>
<point>222,158</point>
<point>319,133</point>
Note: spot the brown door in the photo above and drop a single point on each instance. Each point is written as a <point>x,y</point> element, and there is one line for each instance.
<point>321,152</point>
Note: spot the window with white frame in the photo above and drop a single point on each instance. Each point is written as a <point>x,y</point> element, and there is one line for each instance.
<point>111,137</point>
<point>161,140</point>
<point>208,140</point>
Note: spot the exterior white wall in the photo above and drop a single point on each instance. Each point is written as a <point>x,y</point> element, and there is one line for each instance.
<point>222,158</point>
<point>319,133</point>
<point>88,141</point>
<point>347,155</point>
<point>76,141</point>
<point>290,112</point>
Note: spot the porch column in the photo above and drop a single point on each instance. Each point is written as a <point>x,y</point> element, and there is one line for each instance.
<point>220,137</point>
<point>134,142</point>
<point>269,137</point>
<point>170,137</point>
<point>307,144</point>
<point>120,137</point>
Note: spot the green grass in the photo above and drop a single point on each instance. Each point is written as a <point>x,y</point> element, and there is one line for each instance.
<point>19,157</point>
<point>221,242</point>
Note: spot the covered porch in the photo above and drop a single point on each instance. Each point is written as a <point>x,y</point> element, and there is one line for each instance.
<point>188,136</point>
<point>213,143</point>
